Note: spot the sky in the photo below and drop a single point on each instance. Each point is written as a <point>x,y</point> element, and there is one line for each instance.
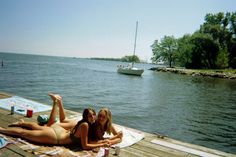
<point>99,28</point>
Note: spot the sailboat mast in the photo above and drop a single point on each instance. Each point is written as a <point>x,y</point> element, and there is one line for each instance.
<point>135,37</point>
<point>135,41</point>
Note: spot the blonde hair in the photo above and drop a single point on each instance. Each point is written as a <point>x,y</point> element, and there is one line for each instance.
<point>107,127</point>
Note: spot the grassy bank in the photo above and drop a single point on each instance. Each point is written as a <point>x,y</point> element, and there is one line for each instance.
<point>218,73</point>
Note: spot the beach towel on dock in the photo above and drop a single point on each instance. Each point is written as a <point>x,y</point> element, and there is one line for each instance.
<point>50,150</point>
<point>3,142</point>
<point>21,105</point>
<point>130,136</point>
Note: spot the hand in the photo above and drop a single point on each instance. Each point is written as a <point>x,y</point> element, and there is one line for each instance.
<point>107,141</point>
<point>120,134</point>
<point>107,144</point>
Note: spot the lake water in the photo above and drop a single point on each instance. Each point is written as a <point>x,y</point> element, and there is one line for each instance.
<point>197,110</point>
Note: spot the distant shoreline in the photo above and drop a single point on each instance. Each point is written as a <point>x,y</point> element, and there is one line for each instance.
<point>113,59</point>
<point>216,73</point>
<point>106,59</point>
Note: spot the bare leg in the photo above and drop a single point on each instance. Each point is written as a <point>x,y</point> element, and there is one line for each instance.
<point>45,136</point>
<point>11,131</point>
<point>30,125</point>
<point>58,99</point>
<point>64,122</point>
<point>62,114</point>
<point>54,110</point>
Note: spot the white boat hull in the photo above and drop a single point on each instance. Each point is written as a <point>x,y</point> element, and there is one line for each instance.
<point>130,71</point>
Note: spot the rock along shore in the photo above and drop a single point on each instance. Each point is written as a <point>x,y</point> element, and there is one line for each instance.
<point>210,73</point>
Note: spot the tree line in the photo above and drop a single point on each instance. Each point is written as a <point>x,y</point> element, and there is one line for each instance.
<point>212,46</point>
<point>131,58</point>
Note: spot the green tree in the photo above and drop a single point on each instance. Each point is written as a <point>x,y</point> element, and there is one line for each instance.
<point>184,51</point>
<point>222,28</point>
<point>232,50</point>
<point>217,25</point>
<point>232,22</point>
<point>166,49</point>
<point>132,58</point>
<point>232,58</point>
<point>204,51</point>
<point>222,59</point>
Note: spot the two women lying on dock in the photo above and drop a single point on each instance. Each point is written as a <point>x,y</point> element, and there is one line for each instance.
<point>86,133</point>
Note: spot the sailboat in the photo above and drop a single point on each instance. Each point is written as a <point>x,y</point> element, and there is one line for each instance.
<point>130,69</point>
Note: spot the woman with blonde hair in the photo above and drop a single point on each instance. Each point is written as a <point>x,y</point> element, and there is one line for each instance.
<point>104,125</point>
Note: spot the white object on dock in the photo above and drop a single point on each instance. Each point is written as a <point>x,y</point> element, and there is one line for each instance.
<point>130,136</point>
<point>183,148</point>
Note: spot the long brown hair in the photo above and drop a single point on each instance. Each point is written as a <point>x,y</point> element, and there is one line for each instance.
<point>84,119</point>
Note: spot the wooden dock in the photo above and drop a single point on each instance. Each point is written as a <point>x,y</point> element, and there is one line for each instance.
<point>167,147</point>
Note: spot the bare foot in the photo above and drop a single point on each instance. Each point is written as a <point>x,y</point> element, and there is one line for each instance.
<point>2,130</point>
<point>17,124</point>
<point>54,97</point>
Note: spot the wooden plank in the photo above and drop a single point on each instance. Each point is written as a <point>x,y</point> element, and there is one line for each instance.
<point>4,95</point>
<point>8,153</point>
<point>198,147</point>
<point>17,150</point>
<point>14,151</point>
<point>132,152</point>
<point>157,149</point>
<point>149,137</point>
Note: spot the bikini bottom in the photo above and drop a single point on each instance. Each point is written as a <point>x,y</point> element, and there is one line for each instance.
<point>58,131</point>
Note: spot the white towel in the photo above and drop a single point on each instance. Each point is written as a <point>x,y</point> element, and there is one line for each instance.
<point>22,104</point>
<point>130,136</point>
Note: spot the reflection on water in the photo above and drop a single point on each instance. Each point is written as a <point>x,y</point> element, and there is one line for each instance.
<point>193,109</point>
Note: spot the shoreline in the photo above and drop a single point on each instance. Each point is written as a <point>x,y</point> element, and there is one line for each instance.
<point>216,73</point>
